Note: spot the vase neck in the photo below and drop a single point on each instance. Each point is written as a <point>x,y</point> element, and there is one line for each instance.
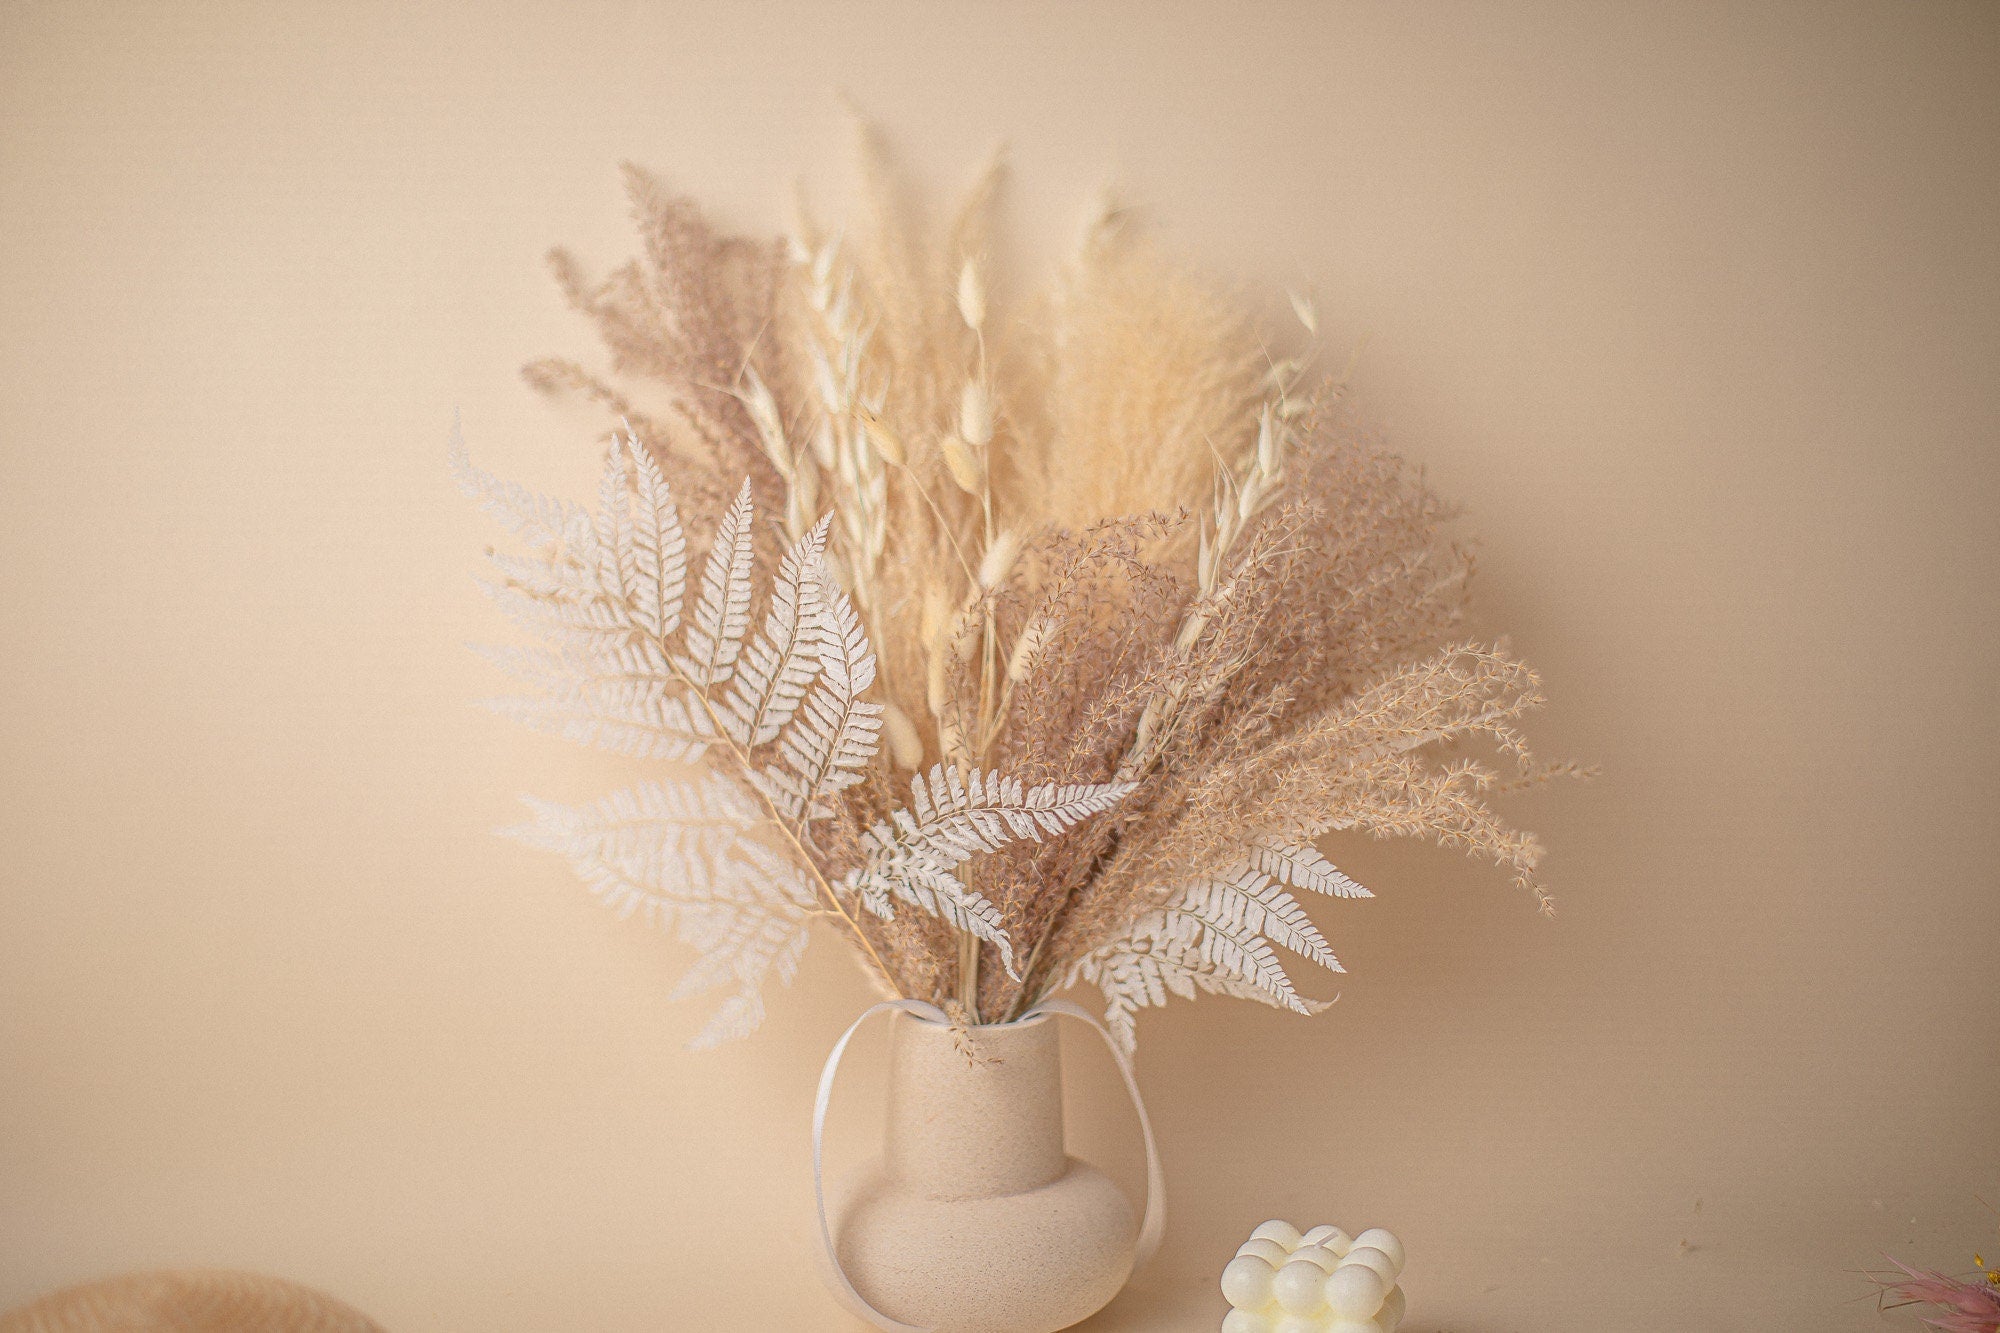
<point>977,1112</point>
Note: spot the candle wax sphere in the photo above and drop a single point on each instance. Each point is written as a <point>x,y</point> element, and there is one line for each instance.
<point>1328,1237</point>
<point>1247,1282</point>
<point>1392,1310</point>
<point>1269,1251</point>
<point>1279,1230</point>
<point>1298,1323</point>
<point>1314,1254</point>
<point>1355,1291</point>
<point>1300,1286</point>
<point>1351,1326</point>
<point>1245,1321</point>
<point>1384,1241</point>
<point>1375,1259</point>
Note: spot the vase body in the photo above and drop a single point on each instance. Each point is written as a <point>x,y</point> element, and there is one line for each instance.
<point>976,1219</point>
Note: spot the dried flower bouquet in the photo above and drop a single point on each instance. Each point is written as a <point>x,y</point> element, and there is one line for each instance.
<point>1077,625</point>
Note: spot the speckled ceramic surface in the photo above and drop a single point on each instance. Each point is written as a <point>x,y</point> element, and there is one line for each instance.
<point>975,1219</point>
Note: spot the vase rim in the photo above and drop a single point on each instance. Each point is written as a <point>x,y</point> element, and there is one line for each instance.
<point>1024,1020</point>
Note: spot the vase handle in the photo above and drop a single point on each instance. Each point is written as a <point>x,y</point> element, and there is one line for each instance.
<point>829,1262</point>
<point>1152,1226</point>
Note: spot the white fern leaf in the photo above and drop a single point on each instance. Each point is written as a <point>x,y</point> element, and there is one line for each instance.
<point>947,897</point>
<point>779,664</point>
<point>617,572</point>
<point>677,852</point>
<point>740,1015</point>
<point>662,845</point>
<point>620,698</point>
<point>605,592</point>
<point>834,734</point>
<point>722,616</point>
<point>1303,867</point>
<point>658,579</point>
<point>913,855</point>
<point>1141,971</point>
<point>1214,935</point>
<point>558,577</point>
<point>738,945</point>
<point>1251,905</point>
<point>952,816</point>
<point>534,518</point>
<point>572,589</point>
<point>1249,960</point>
<point>561,618</point>
<point>745,948</point>
<point>560,666</point>
<point>625,720</point>
<point>545,669</point>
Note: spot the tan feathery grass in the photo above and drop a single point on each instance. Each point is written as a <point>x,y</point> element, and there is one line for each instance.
<point>1102,535</point>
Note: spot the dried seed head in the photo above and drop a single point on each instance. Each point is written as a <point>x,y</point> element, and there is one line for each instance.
<point>849,464</point>
<point>823,444</point>
<point>1267,443</point>
<point>964,628</point>
<point>998,562</point>
<point>936,613</point>
<point>1302,306</point>
<point>1025,648</point>
<point>936,683</point>
<point>906,748</point>
<point>935,624</point>
<point>822,264</point>
<point>763,409</point>
<point>823,379</point>
<point>1283,372</point>
<point>975,413</point>
<point>802,505</point>
<point>960,461</point>
<point>971,296</point>
<point>886,442</point>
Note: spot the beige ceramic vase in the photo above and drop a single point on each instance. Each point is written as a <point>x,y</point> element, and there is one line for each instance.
<point>975,1219</point>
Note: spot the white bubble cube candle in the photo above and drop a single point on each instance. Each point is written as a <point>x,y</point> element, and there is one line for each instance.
<point>1322,1281</point>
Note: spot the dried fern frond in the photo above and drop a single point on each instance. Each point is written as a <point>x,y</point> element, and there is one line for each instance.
<point>1089,615</point>
<point>728,857</point>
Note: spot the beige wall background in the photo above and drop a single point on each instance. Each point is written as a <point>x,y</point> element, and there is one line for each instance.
<point>1694,305</point>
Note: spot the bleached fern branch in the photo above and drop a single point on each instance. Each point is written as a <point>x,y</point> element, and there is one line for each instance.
<point>606,591</point>
<point>715,635</point>
<point>831,739</point>
<point>1216,935</point>
<point>781,661</point>
<point>619,698</point>
<point>676,851</point>
<point>913,855</point>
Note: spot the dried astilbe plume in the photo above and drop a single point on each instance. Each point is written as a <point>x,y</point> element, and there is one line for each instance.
<point>1077,628</point>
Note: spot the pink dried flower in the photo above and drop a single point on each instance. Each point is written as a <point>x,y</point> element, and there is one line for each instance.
<point>1959,1306</point>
